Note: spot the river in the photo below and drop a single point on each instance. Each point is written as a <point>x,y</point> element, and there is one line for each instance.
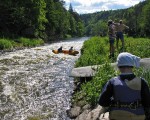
<point>35,83</point>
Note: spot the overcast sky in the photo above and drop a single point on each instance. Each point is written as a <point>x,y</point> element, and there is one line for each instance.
<point>90,6</point>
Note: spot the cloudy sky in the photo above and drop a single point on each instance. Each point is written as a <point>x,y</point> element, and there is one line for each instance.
<point>90,6</point>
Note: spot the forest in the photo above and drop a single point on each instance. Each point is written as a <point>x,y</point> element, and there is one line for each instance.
<point>49,20</point>
<point>45,19</point>
<point>136,17</point>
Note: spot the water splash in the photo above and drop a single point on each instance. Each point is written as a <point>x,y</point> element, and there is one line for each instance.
<point>35,83</point>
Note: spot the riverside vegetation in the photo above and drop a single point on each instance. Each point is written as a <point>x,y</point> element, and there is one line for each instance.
<point>9,44</point>
<point>95,51</point>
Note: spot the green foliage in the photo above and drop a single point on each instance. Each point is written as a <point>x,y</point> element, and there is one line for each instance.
<point>138,46</point>
<point>91,90</point>
<point>67,36</point>
<point>73,29</point>
<point>46,19</point>
<point>147,18</point>
<point>40,17</point>
<point>80,29</point>
<point>136,17</point>
<point>144,73</point>
<point>100,28</point>
<point>97,48</point>
<point>5,44</point>
<point>94,51</point>
<point>30,42</point>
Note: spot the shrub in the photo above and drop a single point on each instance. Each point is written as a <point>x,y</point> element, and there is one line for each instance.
<point>92,89</point>
<point>26,42</point>
<point>94,51</point>
<point>5,44</point>
<point>138,46</point>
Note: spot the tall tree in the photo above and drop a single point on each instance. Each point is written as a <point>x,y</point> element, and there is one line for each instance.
<point>70,8</point>
<point>38,18</point>
<point>147,18</point>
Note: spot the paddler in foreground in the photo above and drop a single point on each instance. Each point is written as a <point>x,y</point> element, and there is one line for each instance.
<point>126,97</point>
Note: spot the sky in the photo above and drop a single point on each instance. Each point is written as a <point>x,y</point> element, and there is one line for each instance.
<point>91,6</point>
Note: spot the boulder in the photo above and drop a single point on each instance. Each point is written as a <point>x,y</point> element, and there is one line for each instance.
<point>74,112</point>
<point>89,71</point>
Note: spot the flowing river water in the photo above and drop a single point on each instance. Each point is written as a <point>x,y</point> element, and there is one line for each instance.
<point>35,83</point>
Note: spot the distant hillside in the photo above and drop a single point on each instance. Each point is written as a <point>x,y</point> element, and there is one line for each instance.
<point>136,17</point>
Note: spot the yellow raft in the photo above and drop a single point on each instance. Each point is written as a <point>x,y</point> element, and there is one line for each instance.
<point>73,52</point>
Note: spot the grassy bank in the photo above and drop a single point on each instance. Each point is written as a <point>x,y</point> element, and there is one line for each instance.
<point>9,44</point>
<point>96,51</point>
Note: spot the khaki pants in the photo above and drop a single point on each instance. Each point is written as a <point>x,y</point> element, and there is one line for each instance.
<point>124,115</point>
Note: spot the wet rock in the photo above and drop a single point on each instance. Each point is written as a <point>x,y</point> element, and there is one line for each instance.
<point>83,116</point>
<point>86,113</point>
<point>94,114</point>
<point>145,63</point>
<point>89,71</point>
<point>104,116</point>
<point>86,107</point>
<point>74,112</point>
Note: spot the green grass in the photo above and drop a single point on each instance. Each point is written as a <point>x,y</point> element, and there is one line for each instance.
<point>8,44</point>
<point>141,72</point>
<point>30,42</point>
<point>94,51</point>
<point>5,44</point>
<point>90,91</point>
<point>138,46</point>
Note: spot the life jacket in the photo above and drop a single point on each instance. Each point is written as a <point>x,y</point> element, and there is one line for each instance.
<point>127,95</point>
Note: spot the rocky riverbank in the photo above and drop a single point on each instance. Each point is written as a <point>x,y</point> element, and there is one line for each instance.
<point>82,111</point>
<point>87,113</point>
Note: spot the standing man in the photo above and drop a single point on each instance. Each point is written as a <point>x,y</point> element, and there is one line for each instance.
<point>112,35</point>
<point>119,33</point>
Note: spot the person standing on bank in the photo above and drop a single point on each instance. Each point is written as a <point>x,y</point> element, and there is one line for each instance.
<point>127,96</point>
<point>112,35</point>
<point>120,27</point>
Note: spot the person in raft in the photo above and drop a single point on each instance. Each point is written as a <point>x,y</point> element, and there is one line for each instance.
<point>60,49</point>
<point>71,49</point>
<point>112,35</point>
<point>126,97</point>
<point>120,27</point>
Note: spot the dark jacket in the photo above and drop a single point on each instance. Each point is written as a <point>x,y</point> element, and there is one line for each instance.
<point>107,95</point>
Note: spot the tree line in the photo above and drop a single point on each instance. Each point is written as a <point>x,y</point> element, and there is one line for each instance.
<point>49,20</point>
<point>136,17</point>
<point>46,19</point>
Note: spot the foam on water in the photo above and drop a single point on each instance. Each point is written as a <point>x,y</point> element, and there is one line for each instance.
<point>35,82</point>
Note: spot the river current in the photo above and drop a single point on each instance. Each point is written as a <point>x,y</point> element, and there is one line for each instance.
<point>35,83</point>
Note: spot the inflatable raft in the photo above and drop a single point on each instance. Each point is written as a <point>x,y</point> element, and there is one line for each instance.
<point>73,52</point>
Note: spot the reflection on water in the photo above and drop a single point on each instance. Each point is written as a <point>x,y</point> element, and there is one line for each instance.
<point>35,83</point>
